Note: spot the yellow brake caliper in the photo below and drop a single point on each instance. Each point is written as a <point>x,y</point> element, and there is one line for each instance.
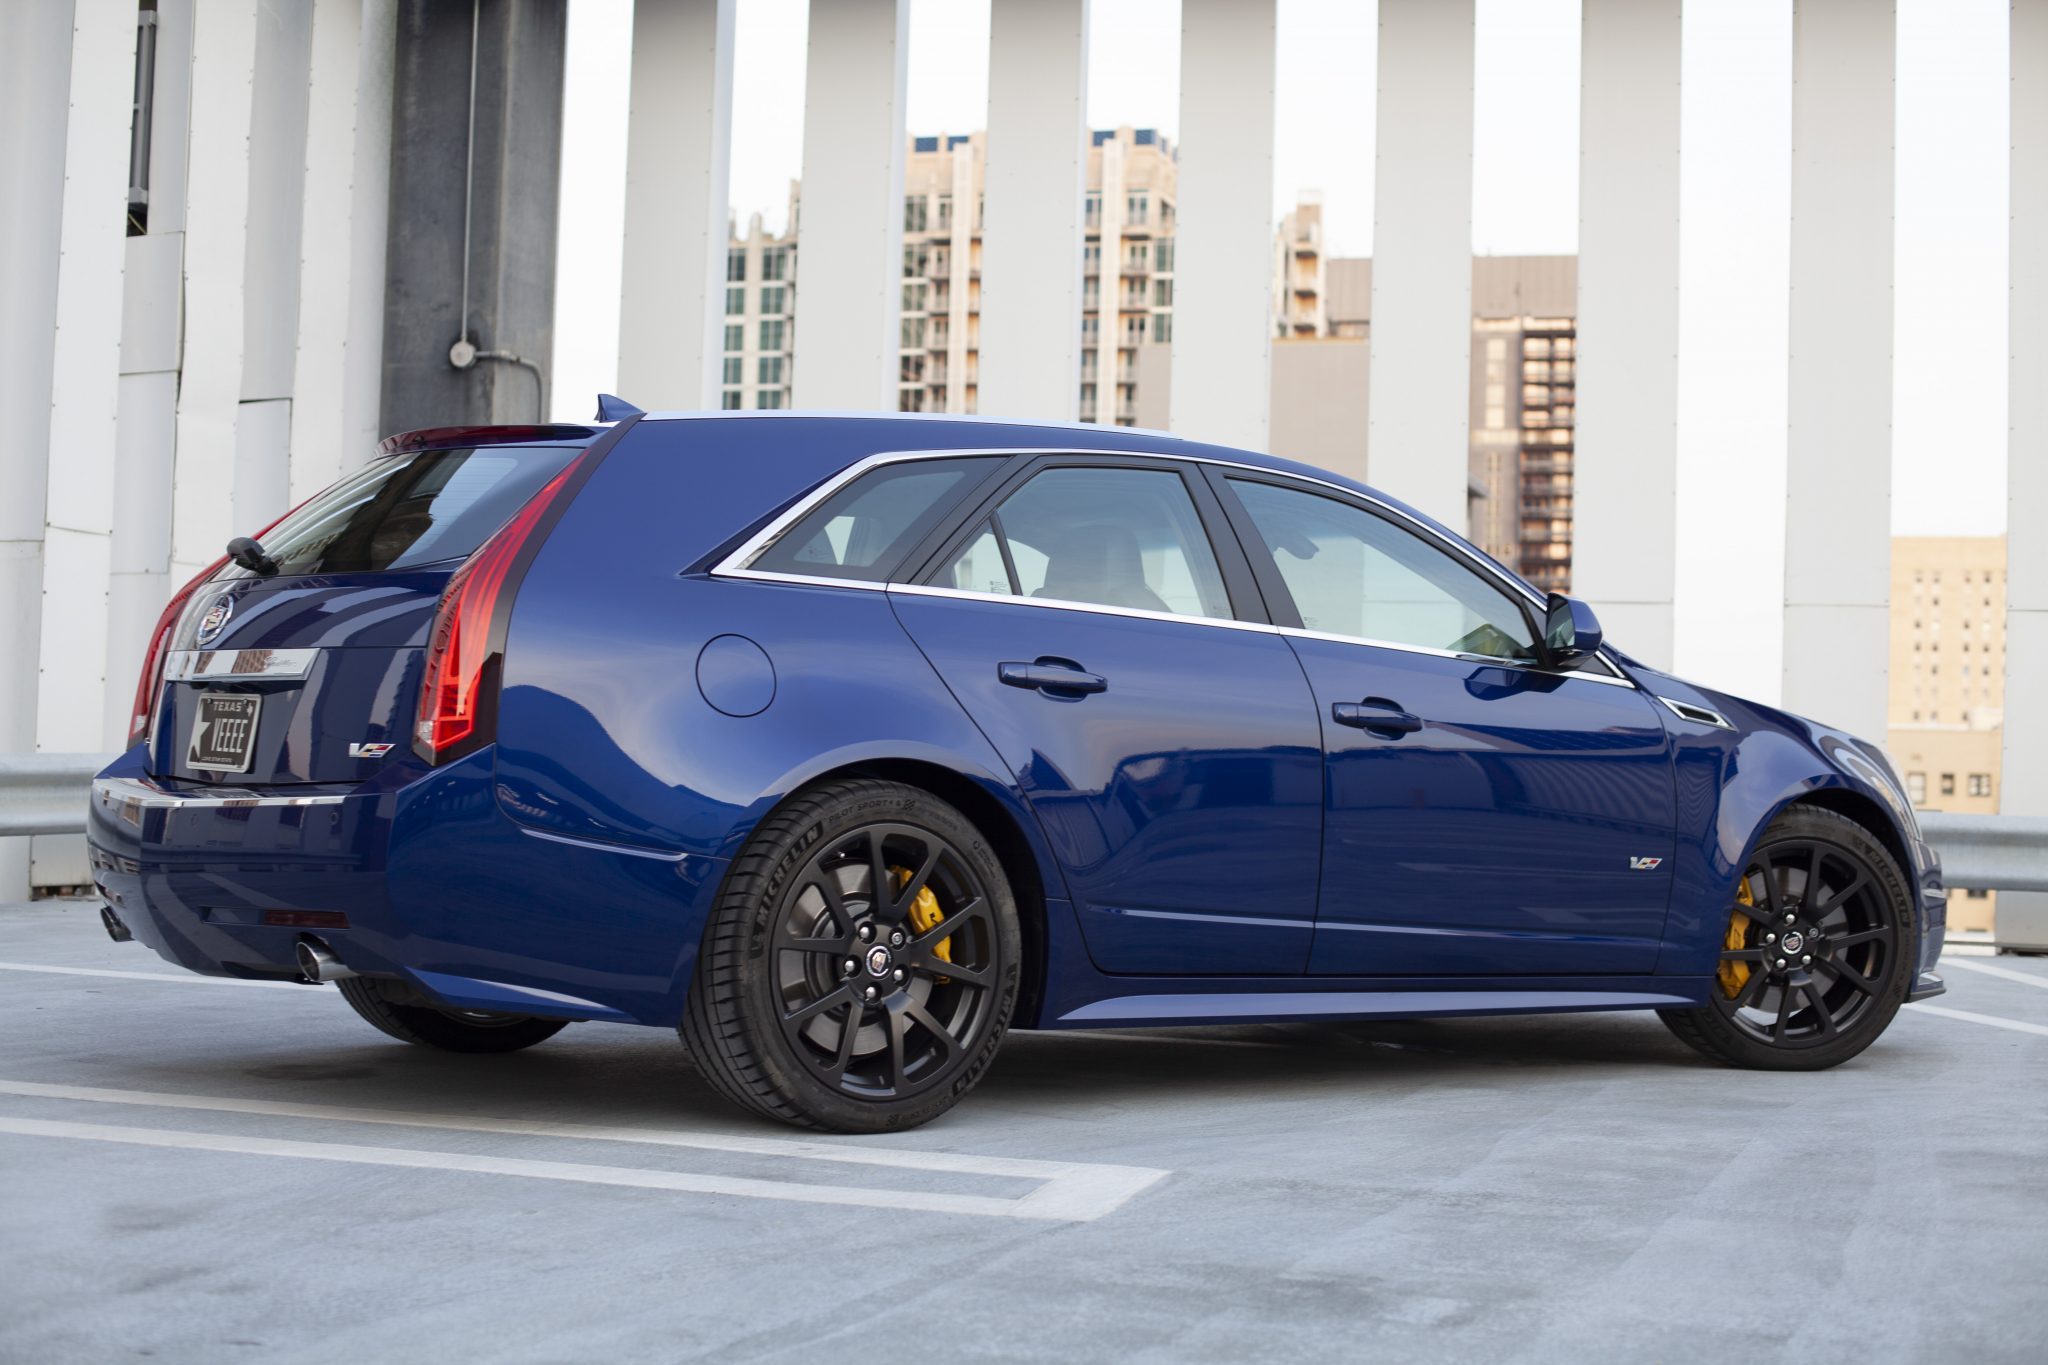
<point>925,915</point>
<point>1734,975</point>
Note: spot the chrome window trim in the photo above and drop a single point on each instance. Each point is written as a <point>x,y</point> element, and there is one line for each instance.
<point>200,665</point>
<point>1697,714</point>
<point>734,564</point>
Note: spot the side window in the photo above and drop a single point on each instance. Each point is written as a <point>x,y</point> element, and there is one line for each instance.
<point>1353,573</point>
<point>861,531</point>
<point>1110,537</point>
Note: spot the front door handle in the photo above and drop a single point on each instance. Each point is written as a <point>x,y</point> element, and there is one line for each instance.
<point>1375,714</point>
<point>1051,677</point>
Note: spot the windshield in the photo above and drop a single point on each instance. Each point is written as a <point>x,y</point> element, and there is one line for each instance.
<point>408,510</point>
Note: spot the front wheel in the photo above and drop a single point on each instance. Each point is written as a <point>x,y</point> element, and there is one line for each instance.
<point>861,964</point>
<point>1818,952</point>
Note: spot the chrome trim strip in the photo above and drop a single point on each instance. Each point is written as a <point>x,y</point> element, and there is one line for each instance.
<point>1698,715</point>
<point>203,665</point>
<point>1096,608</point>
<point>134,793</point>
<point>1482,660</point>
<point>734,564</point>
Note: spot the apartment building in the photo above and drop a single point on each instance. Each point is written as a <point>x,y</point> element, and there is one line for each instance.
<point>1948,682</point>
<point>760,315</point>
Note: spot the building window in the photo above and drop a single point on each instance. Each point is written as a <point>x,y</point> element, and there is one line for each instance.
<point>1916,788</point>
<point>1948,784</point>
<point>914,295</point>
<point>736,263</point>
<point>775,263</point>
<point>1162,326</point>
<point>1138,208</point>
<point>771,398</point>
<point>773,332</point>
<point>913,332</point>
<point>1162,293</point>
<point>735,336</point>
<point>735,302</point>
<point>1980,784</point>
<point>774,298</point>
<point>1162,255</point>
<point>915,211</point>
<point>1977,893</point>
<point>729,400</point>
<point>768,370</point>
<point>732,369</point>
<point>917,258</point>
<point>945,212</point>
<point>910,369</point>
<point>1091,209</point>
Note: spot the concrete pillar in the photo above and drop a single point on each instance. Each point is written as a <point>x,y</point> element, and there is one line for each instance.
<point>2023,916</point>
<point>35,79</point>
<point>1037,168</point>
<point>1838,464</point>
<point>1422,258</point>
<point>507,205</point>
<point>85,384</point>
<point>1223,247</point>
<point>678,158</point>
<point>224,37</point>
<point>1625,496</point>
<point>850,275</point>
<point>341,247</point>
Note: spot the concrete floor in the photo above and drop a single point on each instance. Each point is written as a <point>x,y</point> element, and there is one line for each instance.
<point>1576,1188</point>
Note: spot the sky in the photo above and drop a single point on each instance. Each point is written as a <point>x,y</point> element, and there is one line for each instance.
<point>1949,411</point>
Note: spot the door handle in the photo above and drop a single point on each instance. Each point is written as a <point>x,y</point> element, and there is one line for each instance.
<point>1375,714</point>
<point>1051,677</point>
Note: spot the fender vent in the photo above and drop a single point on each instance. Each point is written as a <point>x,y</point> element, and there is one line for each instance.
<point>1698,715</point>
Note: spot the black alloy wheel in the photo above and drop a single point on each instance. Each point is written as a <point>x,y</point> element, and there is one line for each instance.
<point>861,965</point>
<point>1818,950</point>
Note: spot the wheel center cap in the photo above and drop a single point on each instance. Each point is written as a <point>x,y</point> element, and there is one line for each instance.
<point>1793,942</point>
<point>878,961</point>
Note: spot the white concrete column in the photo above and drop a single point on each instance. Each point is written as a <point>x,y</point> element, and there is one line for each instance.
<point>35,78</point>
<point>850,270</point>
<point>1037,169</point>
<point>1417,443</point>
<point>2026,587</point>
<point>1838,463</point>
<point>85,383</point>
<point>1625,493</point>
<point>203,518</point>
<point>1223,246</point>
<point>341,241</point>
<point>678,158</point>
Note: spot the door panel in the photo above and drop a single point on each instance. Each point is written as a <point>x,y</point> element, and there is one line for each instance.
<point>1183,798</point>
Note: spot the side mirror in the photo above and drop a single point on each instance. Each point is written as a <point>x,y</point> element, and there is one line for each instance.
<point>1571,632</point>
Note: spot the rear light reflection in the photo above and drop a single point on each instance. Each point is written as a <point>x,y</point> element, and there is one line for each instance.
<point>152,678</point>
<point>305,919</point>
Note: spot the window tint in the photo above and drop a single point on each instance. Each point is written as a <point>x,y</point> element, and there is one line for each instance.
<point>1354,573</point>
<point>861,531</point>
<point>1113,537</point>
<point>407,510</point>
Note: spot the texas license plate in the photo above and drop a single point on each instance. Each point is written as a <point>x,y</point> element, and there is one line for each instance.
<point>224,732</point>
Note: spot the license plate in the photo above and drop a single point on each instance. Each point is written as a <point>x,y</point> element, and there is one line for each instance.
<point>224,732</point>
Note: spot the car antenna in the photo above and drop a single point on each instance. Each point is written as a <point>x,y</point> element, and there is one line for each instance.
<point>612,408</point>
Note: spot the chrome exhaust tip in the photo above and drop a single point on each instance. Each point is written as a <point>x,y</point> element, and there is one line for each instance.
<point>317,964</point>
<point>116,930</point>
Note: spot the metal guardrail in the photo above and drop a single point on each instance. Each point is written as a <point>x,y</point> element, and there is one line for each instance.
<point>46,793</point>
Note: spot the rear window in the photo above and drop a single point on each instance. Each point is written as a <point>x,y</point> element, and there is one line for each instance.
<point>408,510</point>
<point>864,530</point>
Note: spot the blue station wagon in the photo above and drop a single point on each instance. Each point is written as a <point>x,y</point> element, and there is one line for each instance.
<point>844,744</point>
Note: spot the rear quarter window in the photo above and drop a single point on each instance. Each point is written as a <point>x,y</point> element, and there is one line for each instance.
<point>404,511</point>
<point>863,531</point>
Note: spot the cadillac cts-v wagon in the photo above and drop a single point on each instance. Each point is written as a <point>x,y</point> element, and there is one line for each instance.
<point>845,744</point>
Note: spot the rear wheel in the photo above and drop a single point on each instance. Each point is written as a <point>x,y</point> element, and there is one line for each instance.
<point>1818,950</point>
<point>407,1017</point>
<point>861,965</point>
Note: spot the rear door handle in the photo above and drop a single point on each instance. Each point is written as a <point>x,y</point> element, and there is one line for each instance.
<point>1050,677</point>
<point>1375,714</point>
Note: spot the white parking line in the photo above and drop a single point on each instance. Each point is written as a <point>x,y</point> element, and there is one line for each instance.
<point>1986,969</point>
<point>193,979</point>
<point>1993,1020</point>
<point>1072,1191</point>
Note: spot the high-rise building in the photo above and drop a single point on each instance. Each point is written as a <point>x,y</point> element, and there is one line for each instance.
<point>760,315</point>
<point>1524,360</point>
<point>1948,681</point>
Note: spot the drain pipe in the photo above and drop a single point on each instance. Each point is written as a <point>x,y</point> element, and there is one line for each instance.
<point>464,353</point>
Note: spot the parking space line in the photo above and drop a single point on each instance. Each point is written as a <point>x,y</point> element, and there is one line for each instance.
<point>1986,969</point>
<point>2017,1026</point>
<point>629,1177</point>
<point>1073,1191</point>
<point>188,979</point>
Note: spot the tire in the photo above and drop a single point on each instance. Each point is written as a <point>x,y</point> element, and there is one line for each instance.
<point>404,1015</point>
<point>1865,945</point>
<point>803,1010</point>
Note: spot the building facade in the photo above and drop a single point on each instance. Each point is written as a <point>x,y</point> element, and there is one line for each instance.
<point>1947,704</point>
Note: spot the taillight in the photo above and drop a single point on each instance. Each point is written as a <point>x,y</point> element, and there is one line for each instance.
<point>152,678</point>
<point>459,689</point>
